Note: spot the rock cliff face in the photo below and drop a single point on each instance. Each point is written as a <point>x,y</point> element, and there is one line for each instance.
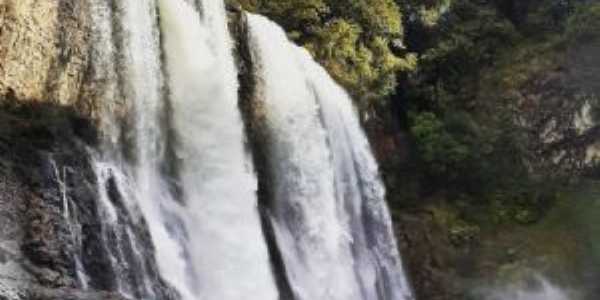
<point>43,62</point>
<point>44,162</point>
<point>51,227</point>
<point>49,113</point>
<point>45,52</point>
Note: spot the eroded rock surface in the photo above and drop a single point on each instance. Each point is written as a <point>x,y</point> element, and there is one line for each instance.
<point>45,51</point>
<point>49,214</point>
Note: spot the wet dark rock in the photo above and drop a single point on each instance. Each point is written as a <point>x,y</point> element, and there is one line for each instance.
<point>33,292</point>
<point>35,139</point>
<point>71,294</point>
<point>48,202</point>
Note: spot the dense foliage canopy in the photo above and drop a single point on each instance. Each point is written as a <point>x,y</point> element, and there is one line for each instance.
<point>360,42</point>
<point>458,77</point>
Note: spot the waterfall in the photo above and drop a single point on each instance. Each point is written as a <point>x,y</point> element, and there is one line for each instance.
<point>311,237</point>
<point>175,178</point>
<point>133,194</point>
<point>331,222</point>
<point>143,85</point>
<point>229,257</point>
<point>127,262</point>
<point>359,190</point>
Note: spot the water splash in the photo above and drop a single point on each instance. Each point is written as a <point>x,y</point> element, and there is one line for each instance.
<point>539,289</point>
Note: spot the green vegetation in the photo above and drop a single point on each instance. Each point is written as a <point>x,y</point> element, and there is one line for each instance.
<point>471,107</point>
<point>358,41</point>
<point>473,145</point>
<point>491,82</point>
<point>584,23</point>
<point>459,76</point>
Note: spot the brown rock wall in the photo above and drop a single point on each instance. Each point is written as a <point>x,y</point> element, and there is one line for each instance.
<point>44,51</point>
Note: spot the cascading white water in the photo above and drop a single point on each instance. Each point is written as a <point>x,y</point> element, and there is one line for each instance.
<point>310,234</point>
<point>197,246</point>
<point>229,257</point>
<point>331,221</point>
<point>359,190</point>
<point>120,231</point>
<point>127,58</point>
<point>109,217</point>
<point>143,87</point>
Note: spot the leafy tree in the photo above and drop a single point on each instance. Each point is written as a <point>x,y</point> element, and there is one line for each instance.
<point>358,41</point>
<point>439,149</point>
<point>467,139</point>
<point>584,25</point>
